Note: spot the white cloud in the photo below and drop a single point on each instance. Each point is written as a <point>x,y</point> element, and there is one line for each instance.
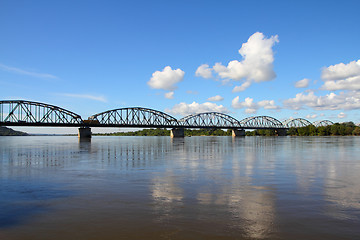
<point>311,116</point>
<point>257,63</point>
<point>341,71</point>
<point>342,76</point>
<point>192,92</point>
<point>166,79</point>
<point>241,88</point>
<point>204,71</point>
<point>185,109</point>
<point>341,115</point>
<point>169,95</point>
<point>85,96</point>
<point>331,101</point>
<point>24,72</point>
<point>351,83</point>
<point>304,83</point>
<point>251,106</point>
<point>215,98</point>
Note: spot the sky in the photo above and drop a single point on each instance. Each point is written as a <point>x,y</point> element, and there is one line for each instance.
<point>285,59</point>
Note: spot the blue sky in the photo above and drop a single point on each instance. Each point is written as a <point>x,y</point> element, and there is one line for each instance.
<point>285,59</point>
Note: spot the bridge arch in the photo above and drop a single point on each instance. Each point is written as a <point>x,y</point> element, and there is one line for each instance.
<point>264,122</point>
<point>323,123</point>
<point>210,119</point>
<point>133,117</point>
<point>27,113</point>
<point>297,122</point>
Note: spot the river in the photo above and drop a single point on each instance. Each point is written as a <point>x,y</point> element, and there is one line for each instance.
<point>191,188</point>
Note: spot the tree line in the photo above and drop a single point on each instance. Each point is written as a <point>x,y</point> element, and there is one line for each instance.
<point>337,129</point>
<point>4,131</point>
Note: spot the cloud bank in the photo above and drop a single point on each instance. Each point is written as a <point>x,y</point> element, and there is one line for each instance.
<point>185,109</point>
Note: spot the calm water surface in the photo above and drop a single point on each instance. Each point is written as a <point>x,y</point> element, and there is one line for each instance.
<point>191,188</point>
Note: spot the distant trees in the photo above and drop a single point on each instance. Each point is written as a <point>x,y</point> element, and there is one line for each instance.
<point>4,131</point>
<point>165,132</point>
<point>337,129</point>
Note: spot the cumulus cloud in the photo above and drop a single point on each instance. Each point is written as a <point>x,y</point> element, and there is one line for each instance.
<point>242,87</point>
<point>342,76</point>
<point>304,83</point>
<point>341,71</point>
<point>341,115</point>
<point>215,98</point>
<point>166,79</point>
<point>344,100</point>
<point>204,71</point>
<point>251,107</point>
<point>169,95</point>
<point>257,63</point>
<point>311,116</point>
<point>185,109</point>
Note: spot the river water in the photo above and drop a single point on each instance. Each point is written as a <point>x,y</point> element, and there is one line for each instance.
<point>190,188</point>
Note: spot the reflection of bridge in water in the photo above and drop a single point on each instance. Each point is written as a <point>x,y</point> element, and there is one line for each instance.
<point>27,113</point>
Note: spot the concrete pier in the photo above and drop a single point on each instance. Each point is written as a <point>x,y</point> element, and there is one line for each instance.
<point>177,132</point>
<point>84,132</point>
<point>238,133</point>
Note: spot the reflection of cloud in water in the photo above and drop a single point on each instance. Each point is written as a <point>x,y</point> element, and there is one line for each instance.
<point>167,195</point>
<point>342,190</point>
<point>252,207</point>
<point>164,189</point>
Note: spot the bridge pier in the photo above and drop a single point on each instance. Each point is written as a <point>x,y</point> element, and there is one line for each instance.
<point>281,132</point>
<point>177,132</point>
<point>238,132</point>
<point>84,132</point>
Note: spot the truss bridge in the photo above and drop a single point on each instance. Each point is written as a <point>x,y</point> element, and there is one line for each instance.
<point>36,114</point>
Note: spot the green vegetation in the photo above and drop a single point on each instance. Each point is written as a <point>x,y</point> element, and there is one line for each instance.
<point>165,132</point>
<point>261,132</point>
<point>338,129</point>
<point>4,131</point>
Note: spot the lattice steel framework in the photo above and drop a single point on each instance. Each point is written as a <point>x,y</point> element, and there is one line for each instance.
<point>209,120</point>
<point>261,122</point>
<point>133,117</point>
<point>26,113</point>
<point>297,122</point>
<point>323,123</point>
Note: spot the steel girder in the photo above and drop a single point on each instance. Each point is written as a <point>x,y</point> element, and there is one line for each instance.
<point>133,117</point>
<point>209,120</point>
<point>323,123</point>
<point>27,113</point>
<point>297,122</point>
<point>261,122</point>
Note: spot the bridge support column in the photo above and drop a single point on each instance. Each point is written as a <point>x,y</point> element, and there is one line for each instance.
<point>177,132</point>
<point>281,132</point>
<point>84,132</point>
<point>238,132</point>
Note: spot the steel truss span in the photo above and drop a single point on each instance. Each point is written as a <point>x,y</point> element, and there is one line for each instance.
<point>323,123</point>
<point>261,122</point>
<point>27,113</point>
<point>133,117</point>
<point>210,120</point>
<point>297,122</point>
